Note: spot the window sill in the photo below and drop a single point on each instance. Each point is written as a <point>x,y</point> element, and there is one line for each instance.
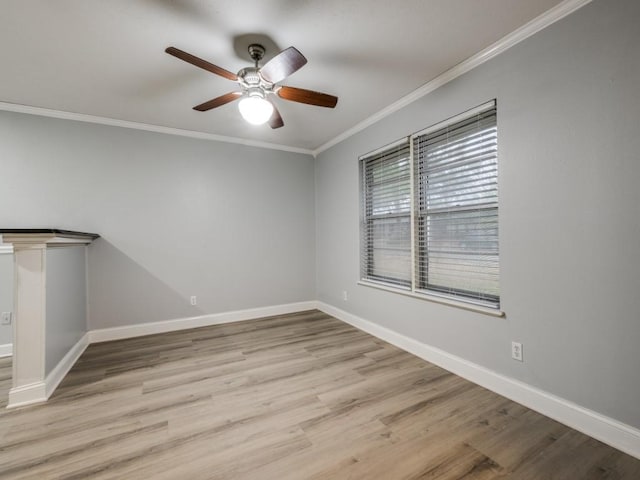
<point>494,312</point>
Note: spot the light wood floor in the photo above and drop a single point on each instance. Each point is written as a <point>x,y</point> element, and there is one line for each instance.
<point>300,396</point>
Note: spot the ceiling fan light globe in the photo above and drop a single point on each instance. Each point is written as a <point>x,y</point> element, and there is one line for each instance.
<point>255,110</point>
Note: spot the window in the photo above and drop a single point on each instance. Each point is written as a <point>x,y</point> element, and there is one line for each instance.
<point>451,212</point>
<point>457,208</point>
<point>385,182</point>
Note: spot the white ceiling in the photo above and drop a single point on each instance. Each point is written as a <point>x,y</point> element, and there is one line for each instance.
<point>106,58</point>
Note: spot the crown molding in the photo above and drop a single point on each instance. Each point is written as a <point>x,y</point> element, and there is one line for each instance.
<point>542,21</point>
<point>81,117</point>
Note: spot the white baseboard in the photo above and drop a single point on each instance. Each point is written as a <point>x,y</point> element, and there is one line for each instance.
<point>41,391</point>
<point>27,395</point>
<point>69,360</point>
<point>610,431</point>
<point>6,350</point>
<point>130,331</point>
<point>607,430</point>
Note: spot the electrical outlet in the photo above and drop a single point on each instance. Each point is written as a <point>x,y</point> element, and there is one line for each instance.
<point>345,295</point>
<point>516,351</point>
<point>194,300</point>
<point>6,318</point>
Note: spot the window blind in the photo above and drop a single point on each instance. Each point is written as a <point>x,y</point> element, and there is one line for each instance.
<point>385,228</point>
<point>456,210</point>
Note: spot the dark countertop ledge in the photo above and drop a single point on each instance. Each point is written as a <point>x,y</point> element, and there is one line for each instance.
<point>53,231</point>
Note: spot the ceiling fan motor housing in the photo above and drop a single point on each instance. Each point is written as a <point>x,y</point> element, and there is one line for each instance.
<point>251,80</point>
<point>249,77</point>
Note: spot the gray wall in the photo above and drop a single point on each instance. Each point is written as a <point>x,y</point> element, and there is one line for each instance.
<point>568,117</point>
<point>234,225</point>
<point>6,295</point>
<point>66,302</point>
<point>231,224</point>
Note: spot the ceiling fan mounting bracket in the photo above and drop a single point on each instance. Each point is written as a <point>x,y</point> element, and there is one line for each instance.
<point>256,52</point>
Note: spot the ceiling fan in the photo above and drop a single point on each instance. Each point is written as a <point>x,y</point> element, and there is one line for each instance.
<point>259,83</point>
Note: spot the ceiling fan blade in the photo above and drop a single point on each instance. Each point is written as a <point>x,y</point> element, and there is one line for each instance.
<point>307,96</point>
<point>198,62</point>
<point>218,101</point>
<point>282,65</point>
<point>276,120</point>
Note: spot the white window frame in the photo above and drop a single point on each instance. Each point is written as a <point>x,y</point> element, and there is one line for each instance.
<point>490,306</point>
<point>390,202</point>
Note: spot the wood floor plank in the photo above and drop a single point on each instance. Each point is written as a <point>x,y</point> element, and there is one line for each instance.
<point>290,397</point>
